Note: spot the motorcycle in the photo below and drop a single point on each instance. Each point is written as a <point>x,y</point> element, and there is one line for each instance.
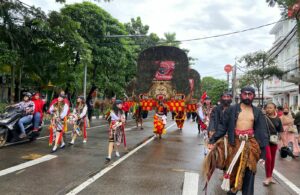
<point>9,129</point>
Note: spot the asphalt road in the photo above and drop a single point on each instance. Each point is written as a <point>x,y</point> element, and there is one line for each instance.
<point>171,165</point>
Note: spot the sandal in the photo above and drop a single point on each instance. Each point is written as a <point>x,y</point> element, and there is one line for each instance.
<point>266,183</point>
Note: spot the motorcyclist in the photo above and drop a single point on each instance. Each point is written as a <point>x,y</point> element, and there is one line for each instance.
<point>27,106</point>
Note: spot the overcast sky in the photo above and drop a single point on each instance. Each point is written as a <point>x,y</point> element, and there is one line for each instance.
<point>198,18</point>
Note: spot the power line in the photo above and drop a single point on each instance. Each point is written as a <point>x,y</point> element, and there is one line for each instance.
<point>282,41</point>
<point>203,38</point>
<point>231,33</point>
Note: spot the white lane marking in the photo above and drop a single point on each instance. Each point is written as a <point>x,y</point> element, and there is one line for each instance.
<point>190,185</point>
<point>287,182</point>
<point>27,164</point>
<point>103,171</point>
<point>131,128</point>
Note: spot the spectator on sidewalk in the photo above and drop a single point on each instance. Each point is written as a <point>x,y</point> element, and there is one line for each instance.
<point>297,120</point>
<point>287,136</point>
<point>297,123</point>
<point>275,127</point>
<point>279,111</point>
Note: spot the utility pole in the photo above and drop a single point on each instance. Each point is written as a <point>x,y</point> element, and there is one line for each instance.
<point>263,83</point>
<point>228,81</point>
<point>234,81</point>
<point>84,84</point>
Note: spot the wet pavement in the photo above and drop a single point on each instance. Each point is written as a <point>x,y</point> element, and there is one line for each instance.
<point>157,167</point>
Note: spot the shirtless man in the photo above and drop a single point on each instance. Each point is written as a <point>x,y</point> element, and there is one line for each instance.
<point>247,137</point>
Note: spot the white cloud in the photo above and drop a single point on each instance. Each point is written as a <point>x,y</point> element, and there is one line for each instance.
<point>195,18</point>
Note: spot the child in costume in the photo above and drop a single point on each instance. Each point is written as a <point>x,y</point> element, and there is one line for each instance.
<point>79,120</point>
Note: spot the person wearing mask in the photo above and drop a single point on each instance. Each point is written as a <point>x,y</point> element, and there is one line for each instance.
<point>274,126</point>
<point>279,111</point>
<point>117,129</point>
<point>38,111</point>
<point>27,106</point>
<point>288,136</point>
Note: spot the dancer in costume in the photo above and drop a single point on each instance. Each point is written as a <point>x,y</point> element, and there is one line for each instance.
<point>160,120</point>
<point>62,93</point>
<point>180,118</point>
<point>137,114</point>
<point>59,111</point>
<point>79,120</point>
<point>180,111</point>
<point>116,129</point>
<point>248,136</point>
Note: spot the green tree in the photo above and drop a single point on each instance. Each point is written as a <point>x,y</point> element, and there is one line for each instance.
<point>64,1</point>
<point>41,48</point>
<point>111,57</point>
<point>136,27</point>
<point>259,68</point>
<point>170,40</point>
<point>213,87</point>
<point>17,28</point>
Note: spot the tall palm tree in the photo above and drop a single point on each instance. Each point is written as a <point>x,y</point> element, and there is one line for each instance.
<point>170,40</point>
<point>271,3</point>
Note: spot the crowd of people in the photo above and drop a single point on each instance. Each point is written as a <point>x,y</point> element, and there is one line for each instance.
<point>242,135</point>
<point>237,137</point>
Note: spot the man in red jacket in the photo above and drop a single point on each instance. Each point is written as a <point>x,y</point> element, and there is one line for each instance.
<point>38,111</point>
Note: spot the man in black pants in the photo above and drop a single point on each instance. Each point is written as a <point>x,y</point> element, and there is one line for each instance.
<point>248,136</point>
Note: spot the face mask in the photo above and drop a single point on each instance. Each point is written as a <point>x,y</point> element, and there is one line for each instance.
<point>226,102</point>
<point>285,113</point>
<point>247,101</point>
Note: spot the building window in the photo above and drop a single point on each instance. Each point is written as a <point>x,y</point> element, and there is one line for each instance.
<point>295,101</point>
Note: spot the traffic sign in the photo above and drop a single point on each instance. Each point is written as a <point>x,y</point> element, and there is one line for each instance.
<point>228,68</point>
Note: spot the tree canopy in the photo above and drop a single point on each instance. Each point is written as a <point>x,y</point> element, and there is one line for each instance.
<point>259,67</point>
<point>213,87</point>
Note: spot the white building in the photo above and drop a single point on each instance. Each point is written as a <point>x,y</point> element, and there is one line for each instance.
<point>286,51</point>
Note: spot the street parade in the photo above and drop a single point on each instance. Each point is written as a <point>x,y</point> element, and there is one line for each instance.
<point>91,104</point>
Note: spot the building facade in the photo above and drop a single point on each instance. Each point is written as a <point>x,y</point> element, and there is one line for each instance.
<point>285,50</point>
